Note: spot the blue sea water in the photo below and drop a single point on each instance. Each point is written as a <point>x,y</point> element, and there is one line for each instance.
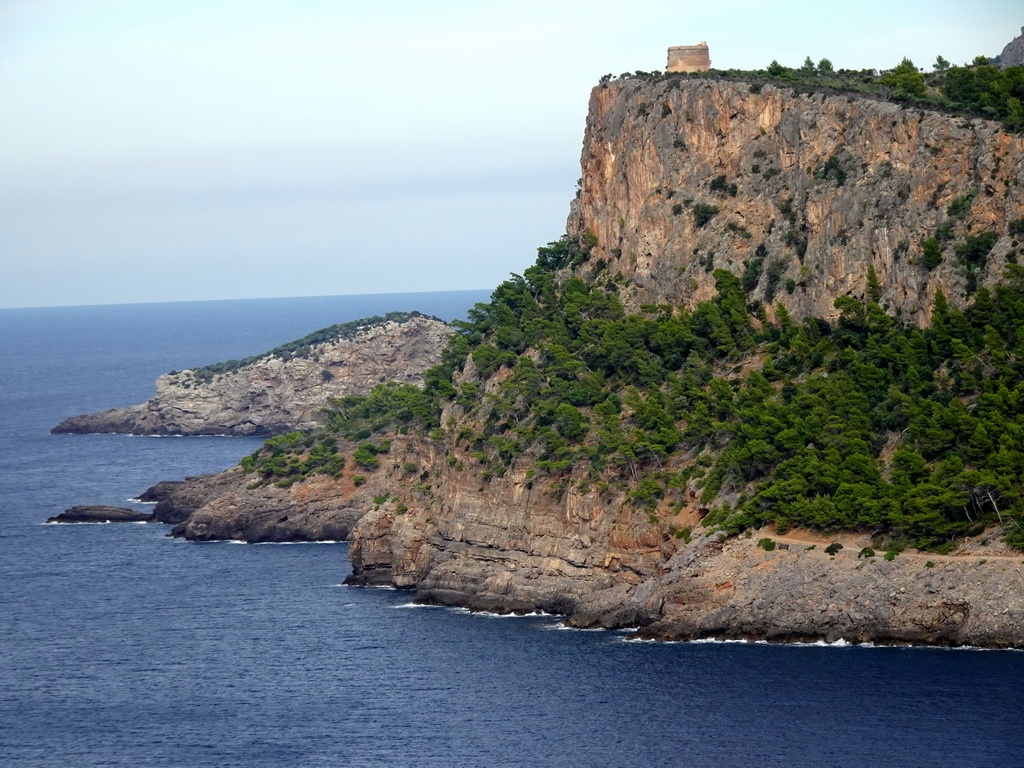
<point>121,647</point>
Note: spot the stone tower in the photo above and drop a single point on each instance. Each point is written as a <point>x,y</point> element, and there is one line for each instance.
<point>688,58</point>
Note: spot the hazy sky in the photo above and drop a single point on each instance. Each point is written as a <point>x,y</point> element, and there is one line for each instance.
<point>162,150</point>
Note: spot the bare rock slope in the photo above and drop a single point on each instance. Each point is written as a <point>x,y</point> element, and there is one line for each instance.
<point>281,390</point>
<point>1013,53</point>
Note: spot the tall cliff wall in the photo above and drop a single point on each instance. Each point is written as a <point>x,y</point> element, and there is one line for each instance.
<point>830,185</point>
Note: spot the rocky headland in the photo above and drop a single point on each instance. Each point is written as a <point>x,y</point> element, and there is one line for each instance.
<point>687,184</point>
<point>283,389</point>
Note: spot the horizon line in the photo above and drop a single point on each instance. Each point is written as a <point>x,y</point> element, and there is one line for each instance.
<point>249,298</point>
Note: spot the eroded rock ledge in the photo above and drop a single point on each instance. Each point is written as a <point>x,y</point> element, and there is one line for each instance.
<point>279,391</point>
<point>223,507</point>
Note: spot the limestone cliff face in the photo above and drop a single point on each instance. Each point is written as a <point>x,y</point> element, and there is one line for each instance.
<point>831,185</point>
<point>501,544</point>
<point>276,394</point>
<point>1013,53</point>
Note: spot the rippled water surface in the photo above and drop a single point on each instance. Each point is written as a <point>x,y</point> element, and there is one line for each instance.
<point>121,647</point>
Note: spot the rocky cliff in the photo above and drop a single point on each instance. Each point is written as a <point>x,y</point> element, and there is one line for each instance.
<point>831,189</point>
<point>1013,53</point>
<point>281,390</point>
<point>683,176</point>
<point>514,545</point>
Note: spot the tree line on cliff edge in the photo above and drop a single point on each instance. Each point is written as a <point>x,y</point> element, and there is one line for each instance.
<point>980,88</point>
<point>916,435</point>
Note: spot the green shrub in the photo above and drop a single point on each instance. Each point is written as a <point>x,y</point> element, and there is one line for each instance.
<point>975,248</point>
<point>959,206</point>
<point>719,184</point>
<point>366,457</point>
<point>932,252</point>
<point>766,544</point>
<point>866,552</point>
<point>833,548</point>
<point>358,480</point>
<point>703,213</point>
<point>832,170</point>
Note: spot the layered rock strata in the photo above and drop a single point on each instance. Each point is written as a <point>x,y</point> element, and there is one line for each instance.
<point>511,545</point>
<point>275,394</point>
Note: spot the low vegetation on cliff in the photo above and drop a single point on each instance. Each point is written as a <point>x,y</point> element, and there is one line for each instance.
<point>916,435</point>
<point>301,347</point>
<point>979,88</point>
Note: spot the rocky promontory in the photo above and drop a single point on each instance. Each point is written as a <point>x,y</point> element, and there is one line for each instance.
<point>283,389</point>
<point>776,313</point>
<point>230,506</point>
<point>509,546</point>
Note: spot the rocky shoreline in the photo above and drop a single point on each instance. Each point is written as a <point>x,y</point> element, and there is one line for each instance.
<point>663,587</point>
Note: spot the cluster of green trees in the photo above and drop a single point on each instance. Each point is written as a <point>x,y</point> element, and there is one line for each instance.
<point>979,88</point>
<point>915,434</point>
<point>287,459</point>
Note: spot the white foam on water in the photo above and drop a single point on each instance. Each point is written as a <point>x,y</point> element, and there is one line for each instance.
<point>561,625</point>
<point>78,522</point>
<point>286,543</point>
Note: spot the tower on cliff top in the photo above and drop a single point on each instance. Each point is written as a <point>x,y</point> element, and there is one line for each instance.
<point>689,58</point>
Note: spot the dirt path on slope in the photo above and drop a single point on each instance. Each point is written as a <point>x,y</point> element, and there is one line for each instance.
<point>854,542</point>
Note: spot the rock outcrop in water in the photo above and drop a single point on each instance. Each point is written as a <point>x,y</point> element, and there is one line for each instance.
<point>284,389</point>
<point>100,514</point>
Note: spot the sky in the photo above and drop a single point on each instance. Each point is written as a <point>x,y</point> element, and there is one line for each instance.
<point>178,150</point>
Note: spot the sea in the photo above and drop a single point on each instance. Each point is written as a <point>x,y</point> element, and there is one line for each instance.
<point>120,646</point>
